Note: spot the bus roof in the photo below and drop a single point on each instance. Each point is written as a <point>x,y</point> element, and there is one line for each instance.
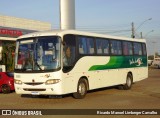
<point>76,32</point>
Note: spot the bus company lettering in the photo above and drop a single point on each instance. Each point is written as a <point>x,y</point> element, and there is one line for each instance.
<point>136,61</point>
<point>8,32</point>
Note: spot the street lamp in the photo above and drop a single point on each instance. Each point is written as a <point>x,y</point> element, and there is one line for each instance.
<point>149,33</point>
<point>134,30</point>
<point>143,23</point>
<point>146,34</point>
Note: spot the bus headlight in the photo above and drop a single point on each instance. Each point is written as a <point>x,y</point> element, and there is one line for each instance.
<point>17,81</point>
<point>52,81</point>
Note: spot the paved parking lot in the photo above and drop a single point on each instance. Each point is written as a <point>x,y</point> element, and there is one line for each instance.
<point>143,95</point>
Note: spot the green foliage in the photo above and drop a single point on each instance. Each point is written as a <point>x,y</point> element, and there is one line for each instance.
<point>157,55</point>
<point>150,57</point>
<point>8,49</point>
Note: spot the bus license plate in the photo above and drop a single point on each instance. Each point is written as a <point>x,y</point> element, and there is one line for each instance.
<point>35,93</point>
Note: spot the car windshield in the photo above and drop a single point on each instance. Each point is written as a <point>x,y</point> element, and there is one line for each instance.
<point>35,54</point>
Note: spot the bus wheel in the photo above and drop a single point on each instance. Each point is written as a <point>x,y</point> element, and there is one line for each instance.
<point>129,81</point>
<point>6,89</point>
<point>81,89</point>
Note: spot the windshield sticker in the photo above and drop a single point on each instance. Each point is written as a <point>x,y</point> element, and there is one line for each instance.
<point>26,41</point>
<point>50,45</point>
<point>48,52</point>
<point>19,66</point>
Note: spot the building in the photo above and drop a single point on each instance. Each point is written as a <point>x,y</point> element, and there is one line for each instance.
<point>13,27</point>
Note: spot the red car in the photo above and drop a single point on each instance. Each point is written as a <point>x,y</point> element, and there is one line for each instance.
<point>6,82</point>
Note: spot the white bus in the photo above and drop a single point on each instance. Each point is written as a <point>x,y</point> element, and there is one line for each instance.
<point>69,61</point>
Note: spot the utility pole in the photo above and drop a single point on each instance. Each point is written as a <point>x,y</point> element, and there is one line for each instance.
<point>67,14</point>
<point>154,49</point>
<point>141,35</point>
<point>133,30</point>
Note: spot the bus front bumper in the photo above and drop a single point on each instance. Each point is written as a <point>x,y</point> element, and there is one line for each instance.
<point>54,89</point>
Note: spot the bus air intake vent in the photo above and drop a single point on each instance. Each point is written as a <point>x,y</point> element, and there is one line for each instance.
<point>34,84</point>
<point>26,89</point>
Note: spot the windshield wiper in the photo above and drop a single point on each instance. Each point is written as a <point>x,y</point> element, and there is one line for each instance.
<point>37,65</point>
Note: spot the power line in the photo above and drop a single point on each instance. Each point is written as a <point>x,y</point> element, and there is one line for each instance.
<point>101,26</point>
<point>118,29</point>
<point>97,26</point>
<point>105,30</point>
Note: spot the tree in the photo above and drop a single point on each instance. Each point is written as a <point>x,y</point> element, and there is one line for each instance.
<point>157,55</point>
<point>150,57</point>
<point>8,49</point>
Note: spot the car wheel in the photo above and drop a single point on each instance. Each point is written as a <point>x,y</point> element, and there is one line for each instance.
<point>6,89</point>
<point>81,89</point>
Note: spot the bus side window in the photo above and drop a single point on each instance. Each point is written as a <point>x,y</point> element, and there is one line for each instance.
<point>86,45</point>
<point>82,45</point>
<point>69,50</point>
<point>106,46</point>
<point>130,46</point>
<point>90,45</point>
<point>102,46</point>
<point>81,51</point>
<point>112,50</point>
<point>99,46</point>
<point>127,48</point>
<point>137,48</point>
<point>119,48</point>
<point>144,49</point>
<point>116,48</point>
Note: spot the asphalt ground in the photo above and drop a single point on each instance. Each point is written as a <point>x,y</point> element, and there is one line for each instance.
<point>144,94</point>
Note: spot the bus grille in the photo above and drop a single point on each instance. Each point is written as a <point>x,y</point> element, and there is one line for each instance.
<point>26,89</point>
<point>34,84</point>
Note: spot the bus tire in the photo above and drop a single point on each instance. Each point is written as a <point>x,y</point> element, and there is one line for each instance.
<point>81,89</point>
<point>129,82</point>
<point>5,89</point>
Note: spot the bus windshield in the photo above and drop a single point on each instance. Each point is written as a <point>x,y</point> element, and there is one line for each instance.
<point>36,54</point>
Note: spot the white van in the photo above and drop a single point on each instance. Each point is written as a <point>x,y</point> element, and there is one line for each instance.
<point>150,62</point>
<point>156,63</point>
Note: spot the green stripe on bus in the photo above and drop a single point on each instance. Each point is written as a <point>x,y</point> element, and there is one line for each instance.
<point>122,62</point>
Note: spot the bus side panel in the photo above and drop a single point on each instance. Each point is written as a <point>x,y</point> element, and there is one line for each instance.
<point>70,81</point>
<point>96,78</point>
<point>104,71</point>
<point>140,74</point>
<point>106,78</point>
